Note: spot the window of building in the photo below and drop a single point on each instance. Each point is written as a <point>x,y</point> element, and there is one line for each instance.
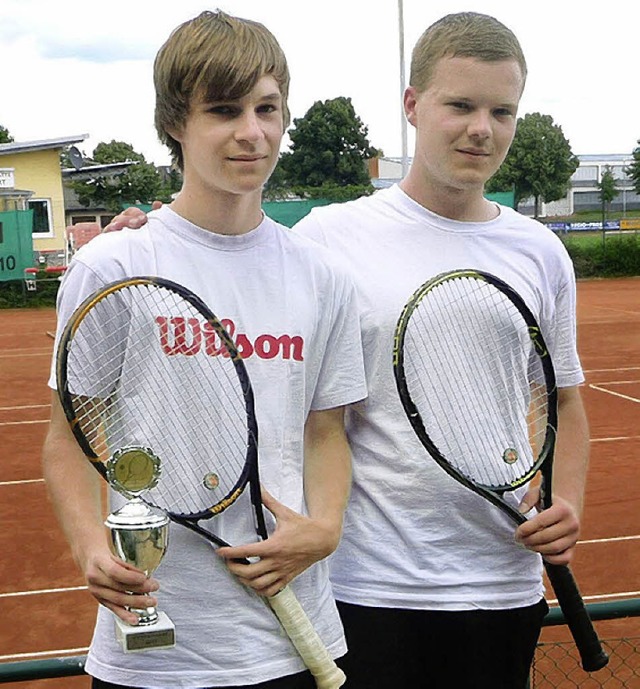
<point>42,220</point>
<point>585,172</point>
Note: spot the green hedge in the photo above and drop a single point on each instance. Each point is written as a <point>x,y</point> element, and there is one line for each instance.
<point>14,294</point>
<point>610,255</point>
<point>614,255</point>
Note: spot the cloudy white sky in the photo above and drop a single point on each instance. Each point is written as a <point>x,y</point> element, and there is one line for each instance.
<point>81,67</point>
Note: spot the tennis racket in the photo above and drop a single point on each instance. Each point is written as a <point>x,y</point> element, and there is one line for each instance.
<point>144,363</point>
<point>478,386</point>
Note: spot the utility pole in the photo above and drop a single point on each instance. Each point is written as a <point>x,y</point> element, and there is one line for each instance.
<point>403,120</point>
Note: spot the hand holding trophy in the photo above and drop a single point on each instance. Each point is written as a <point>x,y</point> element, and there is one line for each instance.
<point>139,536</point>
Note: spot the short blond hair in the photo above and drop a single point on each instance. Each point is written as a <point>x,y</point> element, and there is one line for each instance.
<point>213,57</point>
<point>465,34</point>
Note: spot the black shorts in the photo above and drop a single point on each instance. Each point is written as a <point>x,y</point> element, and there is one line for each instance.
<point>480,649</point>
<point>302,680</point>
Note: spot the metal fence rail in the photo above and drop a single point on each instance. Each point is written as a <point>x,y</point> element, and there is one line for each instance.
<point>556,664</point>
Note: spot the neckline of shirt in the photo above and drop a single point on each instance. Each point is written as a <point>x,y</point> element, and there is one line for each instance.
<point>225,242</point>
<point>419,212</point>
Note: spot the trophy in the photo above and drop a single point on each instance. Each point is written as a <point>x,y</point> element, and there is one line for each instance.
<point>139,536</point>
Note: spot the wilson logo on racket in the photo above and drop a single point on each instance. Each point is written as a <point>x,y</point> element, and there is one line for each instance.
<point>189,336</point>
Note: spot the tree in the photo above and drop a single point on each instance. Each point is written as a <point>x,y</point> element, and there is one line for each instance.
<point>539,163</point>
<point>116,152</point>
<point>329,150</point>
<point>607,192</point>
<point>633,170</point>
<point>140,182</point>
<point>5,137</point>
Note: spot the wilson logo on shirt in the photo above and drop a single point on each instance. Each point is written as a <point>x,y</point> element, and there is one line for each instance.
<point>189,336</point>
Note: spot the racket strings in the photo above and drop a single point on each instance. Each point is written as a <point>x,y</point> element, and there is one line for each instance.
<point>476,380</point>
<point>146,370</point>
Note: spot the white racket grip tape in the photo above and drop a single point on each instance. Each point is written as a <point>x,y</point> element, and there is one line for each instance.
<point>306,640</point>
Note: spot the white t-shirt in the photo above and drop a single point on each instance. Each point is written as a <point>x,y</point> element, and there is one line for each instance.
<point>272,282</point>
<point>413,536</point>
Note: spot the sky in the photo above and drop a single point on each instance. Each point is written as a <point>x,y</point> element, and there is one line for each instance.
<point>75,67</point>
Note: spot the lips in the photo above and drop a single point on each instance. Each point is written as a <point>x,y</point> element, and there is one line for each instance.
<point>474,152</point>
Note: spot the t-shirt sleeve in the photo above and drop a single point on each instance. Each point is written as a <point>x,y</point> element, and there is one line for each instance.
<point>341,379</point>
<point>78,283</point>
<point>562,332</point>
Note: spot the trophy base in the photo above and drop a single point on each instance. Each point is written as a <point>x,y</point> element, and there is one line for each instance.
<point>133,639</point>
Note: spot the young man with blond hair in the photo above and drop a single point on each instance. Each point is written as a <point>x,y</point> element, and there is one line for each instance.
<point>444,593</point>
<point>222,85</point>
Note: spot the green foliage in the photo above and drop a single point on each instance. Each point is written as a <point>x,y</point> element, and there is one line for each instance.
<point>334,192</point>
<point>539,163</point>
<point>329,150</point>
<point>607,191</point>
<point>607,186</point>
<point>617,256</point>
<point>139,183</point>
<point>13,293</point>
<point>633,170</point>
<point>5,137</point>
<point>116,152</point>
<point>170,184</point>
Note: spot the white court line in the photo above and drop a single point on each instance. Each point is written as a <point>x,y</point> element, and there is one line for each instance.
<point>611,370</point>
<point>615,394</point>
<point>25,406</point>
<point>615,438</point>
<point>612,540</point>
<point>619,382</point>
<point>22,423</point>
<point>39,592</point>
<point>21,482</point>
<point>46,352</point>
<point>44,654</point>
<point>603,597</point>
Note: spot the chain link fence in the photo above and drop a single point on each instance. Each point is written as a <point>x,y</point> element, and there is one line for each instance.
<point>557,666</point>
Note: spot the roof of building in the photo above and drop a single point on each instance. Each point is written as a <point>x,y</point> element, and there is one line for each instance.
<point>605,157</point>
<point>41,145</point>
<point>88,169</point>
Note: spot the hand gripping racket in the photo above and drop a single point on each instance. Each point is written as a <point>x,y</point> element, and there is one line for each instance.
<point>144,363</point>
<point>478,386</point>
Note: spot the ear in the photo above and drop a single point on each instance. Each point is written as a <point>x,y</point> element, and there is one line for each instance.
<point>175,133</point>
<point>410,104</point>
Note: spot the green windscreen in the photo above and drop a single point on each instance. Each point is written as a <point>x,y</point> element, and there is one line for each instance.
<point>16,244</point>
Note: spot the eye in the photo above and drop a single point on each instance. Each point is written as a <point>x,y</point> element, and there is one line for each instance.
<point>503,113</point>
<point>223,110</point>
<point>462,106</point>
<point>267,108</point>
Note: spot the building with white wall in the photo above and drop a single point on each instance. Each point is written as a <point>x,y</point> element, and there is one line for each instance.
<point>582,196</point>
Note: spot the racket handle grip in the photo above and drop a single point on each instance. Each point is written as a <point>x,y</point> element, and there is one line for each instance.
<point>577,618</point>
<point>306,640</point>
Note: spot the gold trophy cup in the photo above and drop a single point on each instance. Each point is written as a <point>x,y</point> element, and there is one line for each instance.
<point>139,536</point>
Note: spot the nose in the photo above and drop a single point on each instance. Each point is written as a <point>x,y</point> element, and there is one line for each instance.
<point>249,128</point>
<point>480,125</point>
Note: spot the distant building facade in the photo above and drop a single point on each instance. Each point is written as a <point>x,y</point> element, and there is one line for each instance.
<point>582,196</point>
<point>32,181</point>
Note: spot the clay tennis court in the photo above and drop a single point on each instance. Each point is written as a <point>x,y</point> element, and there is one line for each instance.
<point>46,612</point>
